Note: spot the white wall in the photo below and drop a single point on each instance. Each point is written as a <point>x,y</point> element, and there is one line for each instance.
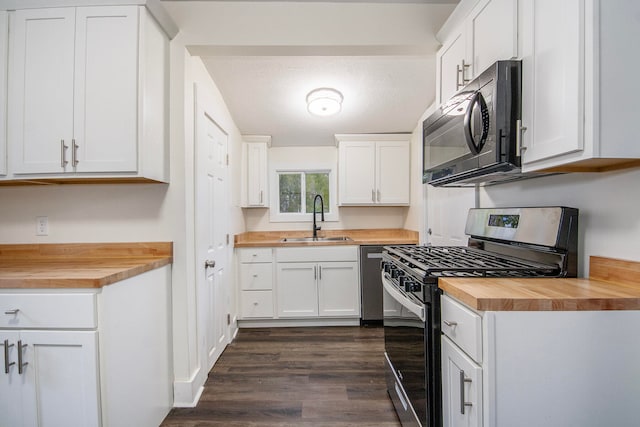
<point>609,203</point>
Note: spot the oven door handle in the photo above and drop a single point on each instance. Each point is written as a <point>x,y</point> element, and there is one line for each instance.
<point>416,309</point>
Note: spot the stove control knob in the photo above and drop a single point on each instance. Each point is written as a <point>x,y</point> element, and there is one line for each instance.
<point>386,267</point>
<point>411,286</point>
<point>395,273</point>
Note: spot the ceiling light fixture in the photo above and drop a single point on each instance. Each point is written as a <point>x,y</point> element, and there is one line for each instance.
<point>324,101</point>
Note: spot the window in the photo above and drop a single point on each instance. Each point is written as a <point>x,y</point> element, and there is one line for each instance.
<point>297,190</point>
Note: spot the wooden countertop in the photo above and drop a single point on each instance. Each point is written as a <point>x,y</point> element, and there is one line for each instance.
<point>377,236</point>
<point>612,285</point>
<point>78,265</point>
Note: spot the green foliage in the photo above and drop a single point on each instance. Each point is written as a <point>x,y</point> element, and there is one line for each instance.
<point>317,183</point>
<point>291,191</point>
<point>290,197</point>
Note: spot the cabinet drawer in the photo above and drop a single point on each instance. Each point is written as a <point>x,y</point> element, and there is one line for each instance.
<point>52,310</point>
<point>463,326</point>
<point>256,304</point>
<point>258,276</point>
<point>255,255</point>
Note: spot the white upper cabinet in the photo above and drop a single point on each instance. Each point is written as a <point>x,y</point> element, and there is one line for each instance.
<point>577,82</point>
<point>473,41</point>
<point>87,93</point>
<point>373,169</point>
<point>4,36</point>
<point>255,174</point>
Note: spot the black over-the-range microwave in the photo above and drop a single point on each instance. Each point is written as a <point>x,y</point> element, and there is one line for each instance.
<point>474,138</point>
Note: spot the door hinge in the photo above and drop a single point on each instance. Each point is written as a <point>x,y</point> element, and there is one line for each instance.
<point>228,319</point>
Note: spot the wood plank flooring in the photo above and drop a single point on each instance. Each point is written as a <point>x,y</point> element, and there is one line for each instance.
<point>286,377</point>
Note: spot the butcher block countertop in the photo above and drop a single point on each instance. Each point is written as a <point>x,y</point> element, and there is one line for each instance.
<point>78,265</point>
<point>612,285</point>
<point>377,236</point>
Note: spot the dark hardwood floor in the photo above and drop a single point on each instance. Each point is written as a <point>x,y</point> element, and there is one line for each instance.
<point>286,377</point>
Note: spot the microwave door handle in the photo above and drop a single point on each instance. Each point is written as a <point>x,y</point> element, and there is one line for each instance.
<point>477,98</point>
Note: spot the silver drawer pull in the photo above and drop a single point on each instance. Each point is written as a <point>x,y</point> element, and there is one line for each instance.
<point>7,346</point>
<point>12,312</point>
<point>20,364</point>
<point>463,380</point>
<point>450,323</point>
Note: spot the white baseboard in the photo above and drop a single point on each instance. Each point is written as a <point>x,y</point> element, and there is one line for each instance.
<point>271,323</point>
<point>186,393</point>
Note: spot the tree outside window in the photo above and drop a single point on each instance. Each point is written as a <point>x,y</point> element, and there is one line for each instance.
<point>296,191</point>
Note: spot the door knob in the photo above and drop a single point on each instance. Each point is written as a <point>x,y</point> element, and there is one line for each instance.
<point>209,263</point>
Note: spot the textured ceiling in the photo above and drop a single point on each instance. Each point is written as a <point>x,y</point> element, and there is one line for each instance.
<point>265,57</point>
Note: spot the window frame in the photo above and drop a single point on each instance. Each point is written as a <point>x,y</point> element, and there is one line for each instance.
<point>277,216</point>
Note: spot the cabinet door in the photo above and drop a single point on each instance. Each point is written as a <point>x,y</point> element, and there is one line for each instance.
<point>492,33</point>
<point>356,176</point>
<point>106,89</point>
<point>338,289</point>
<point>393,173</point>
<point>40,113</point>
<point>449,61</point>
<point>4,37</point>
<point>10,380</point>
<point>297,290</point>
<point>257,175</point>
<point>61,378</point>
<point>552,78</point>
<point>461,388</point>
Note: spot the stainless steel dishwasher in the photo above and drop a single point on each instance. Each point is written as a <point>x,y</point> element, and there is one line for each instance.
<point>370,285</point>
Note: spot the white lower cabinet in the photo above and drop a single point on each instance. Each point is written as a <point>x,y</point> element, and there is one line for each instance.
<point>318,282</point>
<point>303,283</point>
<point>539,368</point>
<point>51,378</point>
<point>462,387</point>
<point>256,282</point>
<point>87,357</point>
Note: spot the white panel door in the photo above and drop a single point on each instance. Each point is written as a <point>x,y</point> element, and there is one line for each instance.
<point>448,60</point>
<point>461,388</point>
<point>393,172</point>
<point>338,289</point>
<point>257,174</point>
<point>357,173</point>
<point>492,34</point>
<point>297,289</point>
<point>211,234</point>
<point>61,386</point>
<point>552,78</point>
<point>40,104</point>
<point>106,89</point>
<point>4,37</point>
<point>10,380</point>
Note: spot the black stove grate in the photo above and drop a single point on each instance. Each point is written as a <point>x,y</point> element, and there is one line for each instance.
<point>464,261</point>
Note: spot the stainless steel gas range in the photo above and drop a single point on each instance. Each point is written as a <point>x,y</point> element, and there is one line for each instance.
<point>503,242</point>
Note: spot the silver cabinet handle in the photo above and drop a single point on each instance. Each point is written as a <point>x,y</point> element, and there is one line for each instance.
<point>209,264</point>
<point>261,192</point>
<point>320,272</point>
<point>463,380</point>
<point>519,130</point>
<point>20,364</point>
<point>450,323</point>
<point>74,153</point>
<point>378,193</point>
<point>315,272</point>
<point>464,69</point>
<point>12,312</point>
<point>460,72</point>
<point>373,195</point>
<point>63,154</point>
<point>7,346</point>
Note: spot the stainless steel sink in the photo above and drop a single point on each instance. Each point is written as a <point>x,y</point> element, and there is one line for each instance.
<point>316,239</point>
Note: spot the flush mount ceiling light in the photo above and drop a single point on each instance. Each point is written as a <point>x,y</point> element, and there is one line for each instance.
<point>324,102</point>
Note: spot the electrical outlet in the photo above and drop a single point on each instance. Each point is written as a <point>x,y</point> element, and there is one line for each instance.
<point>42,226</point>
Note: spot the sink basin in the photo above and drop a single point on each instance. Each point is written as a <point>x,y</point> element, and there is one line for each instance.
<point>316,239</point>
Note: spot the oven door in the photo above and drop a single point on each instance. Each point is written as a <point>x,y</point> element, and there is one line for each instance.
<point>404,337</point>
